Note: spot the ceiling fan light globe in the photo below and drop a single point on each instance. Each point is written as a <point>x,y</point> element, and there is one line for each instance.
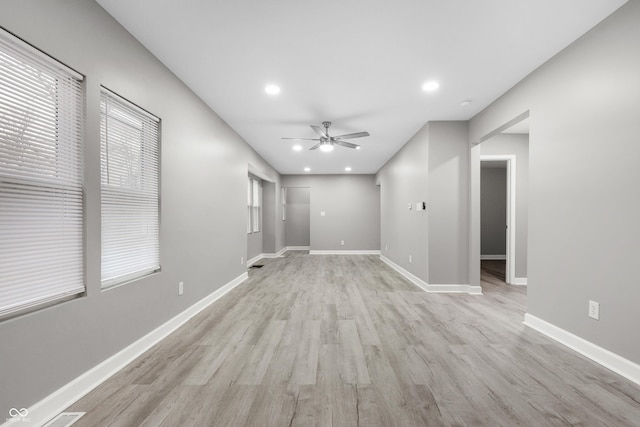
<point>326,148</point>
<point>272,89</point>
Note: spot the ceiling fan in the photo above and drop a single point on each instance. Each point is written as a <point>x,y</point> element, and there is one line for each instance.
<point>326,142</point>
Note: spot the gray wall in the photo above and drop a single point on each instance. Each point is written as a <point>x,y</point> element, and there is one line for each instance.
<point>517,145</point>
<point>403,181</point>
<point>448,203</point>
<point>270,219</point>
<point>583,182</point>
<point>493,210</point>
<point>433,167</point>
<point>297,230</point>
<point>204,170</point>
<point>254,244</point>
<point>352,210</point>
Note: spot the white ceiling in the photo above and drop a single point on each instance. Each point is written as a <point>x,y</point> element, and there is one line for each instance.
<point>358,63</point>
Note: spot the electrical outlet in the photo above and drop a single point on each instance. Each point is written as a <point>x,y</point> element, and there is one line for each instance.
<point>410,260</point>
<point>342,242</point>
<point>386,247</point>
<point>180,288</point>
<point>594,310</point>
<point>241,260</point>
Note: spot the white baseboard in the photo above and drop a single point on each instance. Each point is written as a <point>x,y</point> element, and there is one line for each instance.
<point>411,277</point>
<point>266,255</point>
<point>493,257</point>
<point>58,401</point>
<point>347,252</point>
<point>255,259</point>
<point>456,289</point>
<point>519,281</point>
<point>604,357</point>
<point>468,289</point>
<point>276,255</point>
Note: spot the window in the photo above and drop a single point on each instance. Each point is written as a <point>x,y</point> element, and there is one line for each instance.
<point>256,205</point>
<point>41,188</point>
<point>129,176</point>
<point>253,205</point>
<point>249,204</point>
<point>283,197</point>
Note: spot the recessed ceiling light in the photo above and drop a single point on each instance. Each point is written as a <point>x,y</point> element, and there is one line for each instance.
<point>297,148</point>
<point>307,169</point>
<point>348,169</point>
<point>272,89</point>
<point>326,148</point>
<point>465,103</point>
<point>430,86</point>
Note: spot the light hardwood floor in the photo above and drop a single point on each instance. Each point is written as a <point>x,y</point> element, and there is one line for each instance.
<point>345,341</point>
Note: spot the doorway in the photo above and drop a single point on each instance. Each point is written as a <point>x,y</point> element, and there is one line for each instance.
<point>498,212</point>
<point>297,230</point>
<point>508,144</point>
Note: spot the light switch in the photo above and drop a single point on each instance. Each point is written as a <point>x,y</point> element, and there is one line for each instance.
<point>594,310</point>
<point>322,213</point>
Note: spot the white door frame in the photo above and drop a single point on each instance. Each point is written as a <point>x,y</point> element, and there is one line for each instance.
<point>510,265</point>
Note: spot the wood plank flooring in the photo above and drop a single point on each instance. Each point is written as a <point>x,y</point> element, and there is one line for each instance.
<point>346,341</point>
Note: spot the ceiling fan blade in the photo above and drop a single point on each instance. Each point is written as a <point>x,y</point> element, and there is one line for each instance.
<point>304,139</point>
<point>315,146</point>
<point>351,135</point>
<point>347,144</point>
<point>319,131</point>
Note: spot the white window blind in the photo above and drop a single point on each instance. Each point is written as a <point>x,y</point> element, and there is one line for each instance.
<point>283,196</point>
<point>129,153</point>
<point>255,204</point>
<point>41,167</point>
<point>249,197</point>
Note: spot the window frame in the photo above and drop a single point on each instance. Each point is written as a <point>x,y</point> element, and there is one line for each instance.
<point>137,134</point>
<point>283,198</point>
<point>254,205</point>
<point>42,113</point>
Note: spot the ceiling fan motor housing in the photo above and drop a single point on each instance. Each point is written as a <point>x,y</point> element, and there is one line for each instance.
<point>326,142</point>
